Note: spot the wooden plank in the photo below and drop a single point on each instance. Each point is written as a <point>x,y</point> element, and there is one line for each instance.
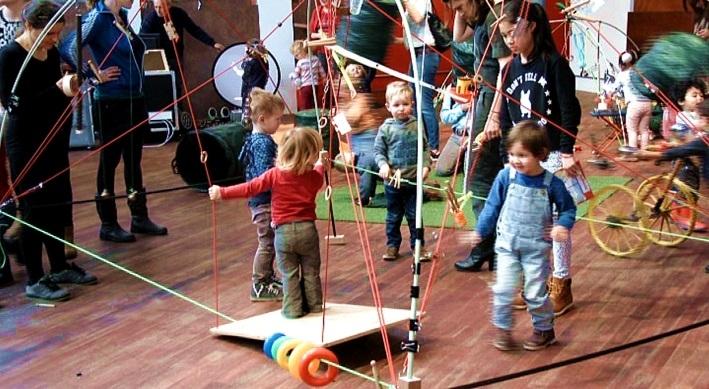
<point>343,322</point>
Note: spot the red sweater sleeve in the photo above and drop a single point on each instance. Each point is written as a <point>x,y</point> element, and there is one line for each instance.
<point>259,184</point>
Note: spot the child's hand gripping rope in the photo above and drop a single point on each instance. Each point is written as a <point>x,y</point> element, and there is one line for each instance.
<point>456,206</point>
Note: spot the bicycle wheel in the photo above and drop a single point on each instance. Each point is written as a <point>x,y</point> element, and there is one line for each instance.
<point>614,213</point>
<point>665,212</point>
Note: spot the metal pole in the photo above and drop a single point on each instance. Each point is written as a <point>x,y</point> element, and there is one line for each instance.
<point>79,59</point>
<point>410,345</point>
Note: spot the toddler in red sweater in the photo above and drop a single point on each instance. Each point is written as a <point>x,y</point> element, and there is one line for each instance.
<point>294,183</point>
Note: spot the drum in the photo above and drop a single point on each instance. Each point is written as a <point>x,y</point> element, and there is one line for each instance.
<point>227,73</point>
<point>222,145</point>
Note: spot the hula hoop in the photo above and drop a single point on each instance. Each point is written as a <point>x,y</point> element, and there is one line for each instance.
<point>297,355</point>
<point>284,350</point>
<point>276,344</point>
<point>317,379</point>
<point>268,343</point>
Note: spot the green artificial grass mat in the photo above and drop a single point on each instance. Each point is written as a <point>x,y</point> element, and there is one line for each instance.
<point>432,210</point>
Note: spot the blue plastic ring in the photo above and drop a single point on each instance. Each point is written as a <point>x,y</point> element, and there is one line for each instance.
<point>268,343</point>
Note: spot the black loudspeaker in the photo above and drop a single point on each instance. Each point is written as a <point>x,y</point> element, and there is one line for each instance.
<point>159,89</point>
<point>84,136</point>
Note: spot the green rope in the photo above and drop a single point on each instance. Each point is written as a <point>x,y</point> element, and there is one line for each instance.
<point>124,269</point>
<point>358,374</point>
<point>646,230</point>
<point>404,180</point>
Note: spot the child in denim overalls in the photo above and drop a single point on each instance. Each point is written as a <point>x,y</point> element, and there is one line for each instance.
<point>520,205</point>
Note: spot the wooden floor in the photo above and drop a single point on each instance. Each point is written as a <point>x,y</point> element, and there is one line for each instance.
<point>125,333</point>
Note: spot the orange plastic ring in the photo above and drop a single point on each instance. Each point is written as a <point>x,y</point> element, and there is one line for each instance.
<point>284,351</point>
<point>297,355</point>
<point>317,354</point>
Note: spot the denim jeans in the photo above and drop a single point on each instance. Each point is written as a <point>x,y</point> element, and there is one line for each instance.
<point>298,258</point>
<point>400,203</point>
<point>427,64</point>
<point>265,253</point>
<point>363,148</point>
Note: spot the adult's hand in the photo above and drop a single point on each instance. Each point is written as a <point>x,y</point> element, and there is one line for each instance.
<point>110,73</point>
<point>492,129</point>
<point>568,163</point>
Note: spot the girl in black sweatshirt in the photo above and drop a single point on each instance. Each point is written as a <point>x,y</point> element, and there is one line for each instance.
<point>538,84</point>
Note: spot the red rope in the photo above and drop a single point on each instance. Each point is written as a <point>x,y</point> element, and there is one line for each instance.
<point>360,222</point>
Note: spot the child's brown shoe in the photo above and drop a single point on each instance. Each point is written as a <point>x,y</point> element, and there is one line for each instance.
<point>540,340</point>
<point>503,340</point>
<point>391,254</point>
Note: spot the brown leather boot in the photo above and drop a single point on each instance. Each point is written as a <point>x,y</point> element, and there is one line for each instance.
<point>540,340</point>
<point>560,295</point>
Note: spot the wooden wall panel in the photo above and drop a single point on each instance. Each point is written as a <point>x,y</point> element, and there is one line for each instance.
<point>657,6</point>
<point>643,26</point>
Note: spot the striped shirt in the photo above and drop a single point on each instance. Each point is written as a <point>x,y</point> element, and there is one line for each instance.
<point>308,71</point>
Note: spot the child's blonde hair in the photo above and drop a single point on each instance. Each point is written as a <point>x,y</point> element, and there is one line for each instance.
<point>399,88</point>
<point>533,138</point>
<point>300,150</point>
<point>265,103</point>
<point>355,71</point>
<point>298,48</point>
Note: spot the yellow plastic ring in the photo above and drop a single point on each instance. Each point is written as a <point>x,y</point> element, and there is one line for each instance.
<point>284,351</point>
<point>297,355</point>
<point>203,157</point>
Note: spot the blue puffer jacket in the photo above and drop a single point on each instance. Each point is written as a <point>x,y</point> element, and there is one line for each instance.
<point>99,33</point>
